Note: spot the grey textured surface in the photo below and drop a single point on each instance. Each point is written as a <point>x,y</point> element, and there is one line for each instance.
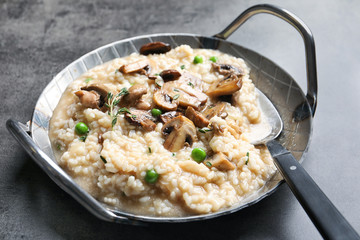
<point>39,38</point>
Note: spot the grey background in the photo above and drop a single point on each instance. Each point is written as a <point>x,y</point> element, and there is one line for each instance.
<point>40,38</point>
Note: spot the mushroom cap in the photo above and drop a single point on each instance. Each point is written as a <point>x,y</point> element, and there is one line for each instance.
<point>155,48</point>
<point>198,118</point>
<point>140,118</point>
<point>225,86</point>
<point>231,82</point>
<point>164,101</point>
<point>89,99</point>
<point>170,75</point>
<point>93,96</point>
<point>141,66</point>
<point>221,162</point>
<point>180,132</point>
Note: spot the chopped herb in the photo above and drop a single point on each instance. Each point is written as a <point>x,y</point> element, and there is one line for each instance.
<point>117,71</point>
<point>176,90</point>
<point>58,146</point>
<point>88,80</point>
<point>133,116</point>
<point>208,164</point>
<point>132,84</point>
<point>113,122</point>
<point>124,110</point>
<point>156,74</point>
<point>204,129</point>
<point>83,138</point>
<point>103,159</point>
<point>191,85</point>
<point>112,102</point>
<point>182,67</point>
<point>157,84</point>
<point>176,96</point>
<point>149,149</point>
<point>173,154</point>
<point>123,91</point>
<point>247,158</point>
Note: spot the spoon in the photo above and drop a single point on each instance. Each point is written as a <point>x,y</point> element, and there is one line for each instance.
<point>325,216</point>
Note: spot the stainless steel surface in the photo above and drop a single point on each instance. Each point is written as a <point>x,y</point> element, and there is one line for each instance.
<point>300,26</point>
<point>279,87</point>
<point>272,118</point>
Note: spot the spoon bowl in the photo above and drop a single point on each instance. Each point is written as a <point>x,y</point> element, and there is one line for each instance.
<point>325,216</point>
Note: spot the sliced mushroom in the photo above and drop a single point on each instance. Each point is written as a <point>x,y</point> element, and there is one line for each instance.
<point>215,110</point>
<point>184,94</point>
<point>190,80</point>
<point>141,67</point>
<point>155,48</point>
<point>93,96</point>
<point>180,131</point>
<point>231,82</point>
<point>140,118</point>
<point>165,117</point>
<point>226,86</point>
<point>89,99</point>
<point>226,69</point>
<point>220,161</point>
<point>198,119</point>
<point>164,101</point>
<point>143,105</point>
<point>170,75</point>
<point>135,92</point>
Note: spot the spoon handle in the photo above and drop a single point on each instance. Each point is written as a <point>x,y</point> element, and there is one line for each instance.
<point>325,216</point>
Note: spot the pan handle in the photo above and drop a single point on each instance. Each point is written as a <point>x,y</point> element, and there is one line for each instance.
<point>300,26</point>
<point>58,175</point>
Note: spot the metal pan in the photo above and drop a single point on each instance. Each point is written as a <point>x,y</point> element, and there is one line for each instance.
<point>296,109</point>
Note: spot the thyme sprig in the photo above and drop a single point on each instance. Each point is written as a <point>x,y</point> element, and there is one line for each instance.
<point>112,102</point>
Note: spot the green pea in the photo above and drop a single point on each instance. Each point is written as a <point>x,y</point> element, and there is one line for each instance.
<point>213,59</point>
<point>151,176</point>
<point>81,128</point>
<point>198,59</point>
<point>156,112</point>
<point>198,154</point>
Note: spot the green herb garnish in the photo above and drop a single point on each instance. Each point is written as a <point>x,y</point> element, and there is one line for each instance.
<point>124,110</point>
<point>112,102</point>
<point>176,90</point>
<point>208,164</point>
<point>182,67</point>
<point>58,146</point>
<point>191,85</point>
<point>88,80</point>
<point>247,158</point>
<point>158,84</point>
<point>176,96</point>
<point>103,159</point>
<point>156,74</point>
<point>149,149</point>
<point>204,130</point>
<point>173,154</point>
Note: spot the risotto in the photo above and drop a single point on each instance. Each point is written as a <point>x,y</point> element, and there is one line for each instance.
<point>163,132</point>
